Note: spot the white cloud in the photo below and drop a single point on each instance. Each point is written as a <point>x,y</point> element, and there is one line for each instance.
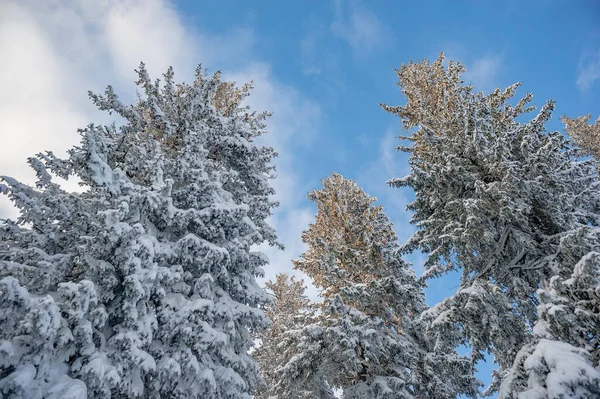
<point>483,72</point>
<point>36,110</point>
<point>149,31</point>
<point>358,25</point>
<point>589,70</point>
<point>52,52</point>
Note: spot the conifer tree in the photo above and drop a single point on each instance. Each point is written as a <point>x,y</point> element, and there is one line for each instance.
<point>143,285</point>
<point>290,310</point>
<point>503,201</point>
<point>367,339</point>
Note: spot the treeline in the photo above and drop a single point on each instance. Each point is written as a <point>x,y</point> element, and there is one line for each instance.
<point>144,284</point>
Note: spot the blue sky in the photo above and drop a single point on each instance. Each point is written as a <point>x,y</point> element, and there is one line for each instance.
<point>322,67</point>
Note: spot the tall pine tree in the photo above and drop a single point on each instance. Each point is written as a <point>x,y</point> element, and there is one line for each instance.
<point>143,285</point>
<point>502,201</point>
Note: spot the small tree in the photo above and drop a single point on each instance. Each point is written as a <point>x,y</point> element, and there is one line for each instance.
<point>144,284</point>
<point>367,339</point>
<point>290,310</point>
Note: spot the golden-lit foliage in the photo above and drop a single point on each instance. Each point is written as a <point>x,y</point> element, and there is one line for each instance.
<point>344,242</point>
<point>438,99</point>
<point>433,93</point>
<point>585,135</point>
<point>227,97</point>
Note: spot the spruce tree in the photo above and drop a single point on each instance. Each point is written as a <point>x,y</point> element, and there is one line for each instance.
<point>143,285</point>
<point>290,309</point>
<point>500,200</point>
<point>368,339</point>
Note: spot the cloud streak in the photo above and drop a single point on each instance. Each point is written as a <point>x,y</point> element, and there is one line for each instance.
<point>588,71</point>
<point>355,23</point>
<point>483,72</point>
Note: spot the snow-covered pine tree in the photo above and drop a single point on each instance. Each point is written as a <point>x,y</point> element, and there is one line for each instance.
<point>495,198</point>
<point>367,339</point>
<point>563,360</point>
<point>144,284</point>
<point>290,309</point>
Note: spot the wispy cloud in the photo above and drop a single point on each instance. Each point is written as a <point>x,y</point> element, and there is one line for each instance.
<point>588,71</point>
<point>358,25</point>
<point>308,54</point>
<point>53,52</point>
<point>319,58</point>
<point>483,72</point>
